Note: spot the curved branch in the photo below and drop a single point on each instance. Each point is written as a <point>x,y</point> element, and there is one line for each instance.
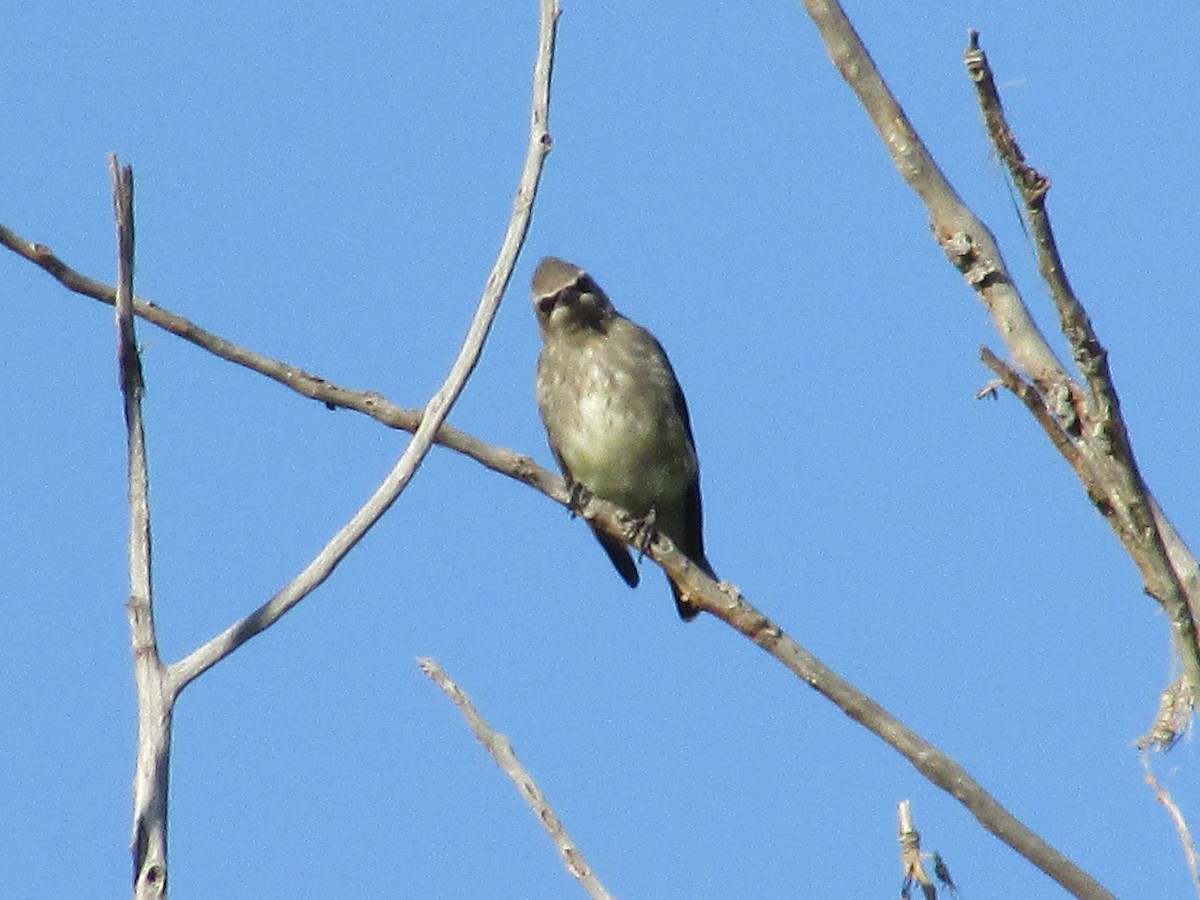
<point>430,421</point>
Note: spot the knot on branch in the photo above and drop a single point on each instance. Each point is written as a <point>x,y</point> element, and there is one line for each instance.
<point>960,249</point>
<point>1061,402</point>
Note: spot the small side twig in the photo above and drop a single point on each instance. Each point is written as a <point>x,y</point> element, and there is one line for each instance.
<point>910,856</point>
<point>912,860</point>
<point>501,749</point>
<point>1011,379</point>
<point>1181,827</point>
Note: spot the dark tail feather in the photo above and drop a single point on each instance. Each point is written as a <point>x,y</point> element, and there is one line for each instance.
<point>688,611</point>
<point>627,569</point>
<point>619,554</point>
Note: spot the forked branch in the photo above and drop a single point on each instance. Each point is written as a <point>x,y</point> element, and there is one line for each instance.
<point>1090,432</point>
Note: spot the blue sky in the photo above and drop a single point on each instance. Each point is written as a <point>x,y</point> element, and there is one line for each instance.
<point>330,188</point>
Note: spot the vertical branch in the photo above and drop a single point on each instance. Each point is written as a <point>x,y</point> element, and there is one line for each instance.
<point>910,855</point>
<point>155,701</point>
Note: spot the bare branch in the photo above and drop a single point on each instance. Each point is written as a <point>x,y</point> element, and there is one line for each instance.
<point>724,601</point>
<point>439,406</point>
<point>501,749</point>
<point>332,395</point>
<point>1104,456</point>
<point>155,700</point>
<point>964,238</point>
<point>973,251</point>
<point>753,624</point>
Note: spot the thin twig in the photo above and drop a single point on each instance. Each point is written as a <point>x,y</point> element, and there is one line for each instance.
<point>439,406</point>
<point>501,749</point>
<point>910,855</point>
<point>1181,827</point>
<point>1034,186</point>
<point>1011,379</point>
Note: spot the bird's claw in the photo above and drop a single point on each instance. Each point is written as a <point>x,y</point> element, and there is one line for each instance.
<point>577,496</point>
<point>641,532</point>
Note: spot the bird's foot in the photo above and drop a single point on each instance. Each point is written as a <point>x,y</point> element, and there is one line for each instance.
<point>578,496</point>
<point>641,532</point>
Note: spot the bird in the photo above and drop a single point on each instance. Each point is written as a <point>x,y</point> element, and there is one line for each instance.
<point>616,418</point>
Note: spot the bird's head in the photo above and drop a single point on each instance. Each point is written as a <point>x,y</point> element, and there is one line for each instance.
<point>566,299</point>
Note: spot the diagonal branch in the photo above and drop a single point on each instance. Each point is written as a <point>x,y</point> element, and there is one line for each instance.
<point>501,749</point>
<point>1089,418</point>
<point>726,603</point>
<point>1104,454</point>
<point>307,384</point>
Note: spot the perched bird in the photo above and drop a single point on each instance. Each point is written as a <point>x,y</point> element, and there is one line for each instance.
<point>615,415</point>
